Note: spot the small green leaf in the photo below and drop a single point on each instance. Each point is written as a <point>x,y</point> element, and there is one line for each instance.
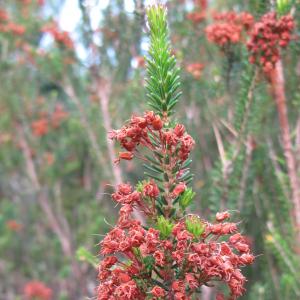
<point>83,254</point>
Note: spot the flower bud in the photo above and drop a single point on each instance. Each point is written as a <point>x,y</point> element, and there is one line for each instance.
<point>186,198</point>
<point>164,226</point>
<point>158,292</point>
<point>179,130</point>
<point>180,188</point>
<point>126,155</point>
<point>151,190</point>
<point>222,216</point>
<point>157,123</point>
<point>194,226</point>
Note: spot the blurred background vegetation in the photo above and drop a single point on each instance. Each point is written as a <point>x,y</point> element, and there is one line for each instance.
<point>60,92</point>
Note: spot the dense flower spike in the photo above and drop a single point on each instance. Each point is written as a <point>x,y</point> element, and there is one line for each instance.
<point>172,254</point>
<point>149,132</point>
<point>267,37</point>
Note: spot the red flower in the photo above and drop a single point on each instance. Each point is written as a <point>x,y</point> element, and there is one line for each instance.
<point>222,216</point>
<point>179,130</point>
<point>151,190</point>
<point>159,258</point>
<point>127,291</point>
<point>179,189</point>
<point>158,292</point>
<point>125,195</point>
<point>126,155</point>
<point>40,127</point>
<point>191,281</point>
<point>195,69</point>
<point>157,123</point>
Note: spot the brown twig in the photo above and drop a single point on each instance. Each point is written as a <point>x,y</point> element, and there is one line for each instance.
<point>278,89</point>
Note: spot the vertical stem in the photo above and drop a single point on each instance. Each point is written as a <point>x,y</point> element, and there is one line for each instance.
<point>278,88</point>
<point>243,185</point>
<point>103,91</point>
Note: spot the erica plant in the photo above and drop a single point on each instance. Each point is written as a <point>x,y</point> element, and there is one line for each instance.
<point>172,253</point>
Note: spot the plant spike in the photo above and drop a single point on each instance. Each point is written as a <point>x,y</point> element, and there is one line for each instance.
<point>163,79</point>
<point>173,250</point>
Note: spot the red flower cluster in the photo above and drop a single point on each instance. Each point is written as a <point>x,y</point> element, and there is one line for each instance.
<point>196,16</point>
<point>195,69</point>
<point>61,37</point>
<point>125,195</point>
<point>37,290</point>
<point>267,37</point>
<point>184,261</point>
<point>41,126</point>
<point>149,132</point>
<point>8,26</point>
<point>228,28</point>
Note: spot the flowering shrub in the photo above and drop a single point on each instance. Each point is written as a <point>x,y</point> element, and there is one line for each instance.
<point>267,37</point>
<point>169,254</point>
